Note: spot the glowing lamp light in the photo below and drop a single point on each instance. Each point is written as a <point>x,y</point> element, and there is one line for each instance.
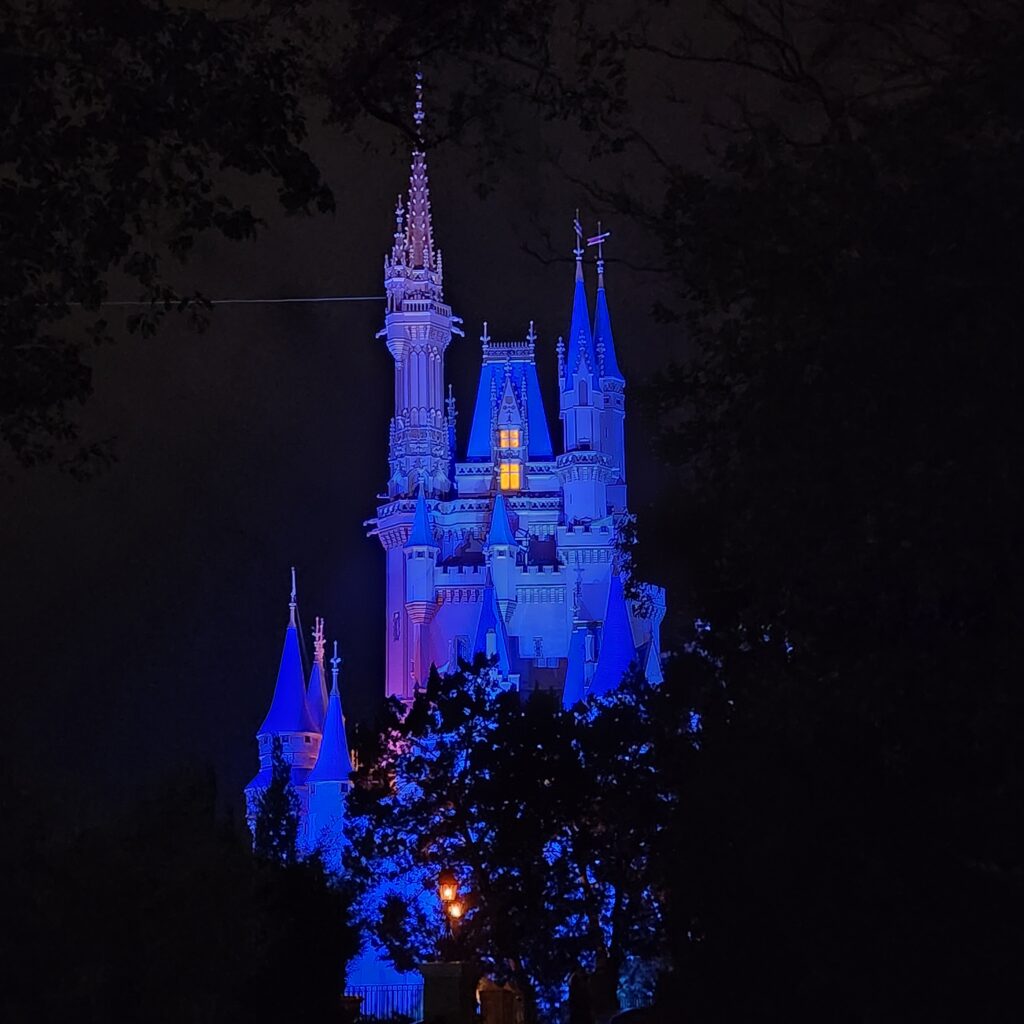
<point>448,887</point>
<point>455,910</point>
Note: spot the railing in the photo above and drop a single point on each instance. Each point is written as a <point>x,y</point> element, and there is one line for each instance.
<point>388,1002</point>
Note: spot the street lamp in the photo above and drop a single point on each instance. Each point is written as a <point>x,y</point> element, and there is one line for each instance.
<point>448,890</point>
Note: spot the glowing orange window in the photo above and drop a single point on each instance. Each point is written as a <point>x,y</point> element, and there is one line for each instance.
<point>508,438</point>
<point>511,476</point>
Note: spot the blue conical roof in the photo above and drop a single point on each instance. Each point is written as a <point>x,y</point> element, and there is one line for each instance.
<point>490,618</point>
<point>421,535</point>
<point>334,763</point>
<point>501,529</point>
<point>288,709</point>
<point>316,696</point>
<point>617,650</point>
<point>603,333</point>
<point>581,341</point>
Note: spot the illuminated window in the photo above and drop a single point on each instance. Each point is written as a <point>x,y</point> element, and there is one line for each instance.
<point>508,438</point>
<point>511,476</point>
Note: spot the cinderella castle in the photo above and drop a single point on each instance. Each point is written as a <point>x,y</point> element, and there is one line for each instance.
<point>509,551</point>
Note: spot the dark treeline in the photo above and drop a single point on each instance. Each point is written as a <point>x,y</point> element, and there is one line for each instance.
<point>164,914</point>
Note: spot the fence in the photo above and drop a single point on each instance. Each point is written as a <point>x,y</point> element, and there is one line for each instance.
<point>385,1002</point>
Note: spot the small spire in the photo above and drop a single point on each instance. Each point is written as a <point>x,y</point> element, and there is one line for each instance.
<point>450,406</point>
<point>292,604</point>
<point>599,239</point>
<point>607,362</point>
<point>580,340</point>
<point>485,338</point>
<point>531,334</point>
<point>335,665</point>
<point>421,535</point>
<point>318,642</point>
<point>500,532</point>
<point>578,251</point>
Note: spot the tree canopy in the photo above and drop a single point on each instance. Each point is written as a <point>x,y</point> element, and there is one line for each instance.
<point>548,818</point>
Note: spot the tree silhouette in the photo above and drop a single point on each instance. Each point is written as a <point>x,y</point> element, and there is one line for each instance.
<point>276,821</point>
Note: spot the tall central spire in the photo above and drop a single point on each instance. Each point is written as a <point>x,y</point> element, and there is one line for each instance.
<point>418,326</point>
<point>415,263</point>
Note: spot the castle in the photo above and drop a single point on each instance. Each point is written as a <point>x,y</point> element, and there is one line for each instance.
<point>510,551</point>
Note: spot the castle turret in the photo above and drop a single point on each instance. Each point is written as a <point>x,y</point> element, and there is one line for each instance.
<point>613,385</point>
<point>421,551</point>
<point>288,720</point>
<point>584,470</point>
<point>418,327</point>
<point>329,780</point>
<point>502,550</point>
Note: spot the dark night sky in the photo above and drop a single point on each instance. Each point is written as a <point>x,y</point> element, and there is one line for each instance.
<point>143,611</point>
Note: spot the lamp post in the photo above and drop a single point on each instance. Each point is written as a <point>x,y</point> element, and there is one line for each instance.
<point>451,905</point>
<point>449,985</point>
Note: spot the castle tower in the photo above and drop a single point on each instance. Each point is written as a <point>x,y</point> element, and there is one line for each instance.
<point>613,386</point>
<point>584,469</point>
<point>418,327</point>
<point>329,780</point>
<point>288,720</point>
<point>502,553</point>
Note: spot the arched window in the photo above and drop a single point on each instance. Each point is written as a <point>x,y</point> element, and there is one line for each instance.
<point>583,392</point>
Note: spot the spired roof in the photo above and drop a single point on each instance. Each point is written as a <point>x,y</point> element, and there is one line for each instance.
<point>490,618</point>
<point>617,650</point>
<point>421,536</point>
<point>334,763</point>
<point>523,372</point>
<point>581,341</point>
<point>316,696</point>
<point>603,335</point>
<point>419,230</point>
<point>289,711</point>
<point>500,531</point>
<point>316,691</point>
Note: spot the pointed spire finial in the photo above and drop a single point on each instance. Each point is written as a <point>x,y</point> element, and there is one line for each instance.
<point>531,334</point>
<point>335,664</point>
<point>292,603</point>
<point>418,115</point>
<point>485,337</point>
<point>599,239</point>
<point>318,641</point>
<point>578,251</point>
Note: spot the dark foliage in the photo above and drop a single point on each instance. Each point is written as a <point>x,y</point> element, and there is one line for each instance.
<point>849,522</point>
<point>276,819</point>
<point>166,916</point>
<point>548,819</point>
<point>119,139</point>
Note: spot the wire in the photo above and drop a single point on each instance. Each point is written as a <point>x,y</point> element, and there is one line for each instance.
<point>246,302</point>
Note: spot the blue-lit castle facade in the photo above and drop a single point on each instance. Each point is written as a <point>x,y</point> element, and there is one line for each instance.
<point>507,550</point>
